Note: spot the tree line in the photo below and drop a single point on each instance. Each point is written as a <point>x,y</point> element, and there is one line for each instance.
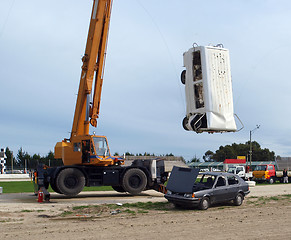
<point>24,160</point>
<point>234,150</point>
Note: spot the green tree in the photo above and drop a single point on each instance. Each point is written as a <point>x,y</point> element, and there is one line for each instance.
<point>234,150</point>
<point>195,159</point>
<point>208,156</point>
<point>22,158</point>
<point>9,155</point>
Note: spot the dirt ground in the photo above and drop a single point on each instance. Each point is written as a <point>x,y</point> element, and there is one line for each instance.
<point>263,215</point>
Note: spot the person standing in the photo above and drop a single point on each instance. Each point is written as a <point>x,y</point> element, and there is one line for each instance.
<point>285,176</point>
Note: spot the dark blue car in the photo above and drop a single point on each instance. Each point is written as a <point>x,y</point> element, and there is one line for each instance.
<point>189,188</point>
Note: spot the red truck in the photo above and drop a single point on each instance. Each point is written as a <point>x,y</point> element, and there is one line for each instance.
<point>268,172</point>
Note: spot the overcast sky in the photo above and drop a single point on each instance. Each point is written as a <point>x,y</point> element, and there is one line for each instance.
<point>143,100</point>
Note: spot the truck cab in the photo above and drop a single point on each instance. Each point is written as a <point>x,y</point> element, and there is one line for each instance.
<point>240,171</point>
<point>86,150</point>
<point>265,172</point>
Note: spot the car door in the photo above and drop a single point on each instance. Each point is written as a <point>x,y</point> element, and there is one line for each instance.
<point>233,187</point>
<point>220,190</point>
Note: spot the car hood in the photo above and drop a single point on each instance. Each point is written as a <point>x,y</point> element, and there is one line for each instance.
<point>182,179</point>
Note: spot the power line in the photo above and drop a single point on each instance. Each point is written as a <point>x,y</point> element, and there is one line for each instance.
<point>6,20</point>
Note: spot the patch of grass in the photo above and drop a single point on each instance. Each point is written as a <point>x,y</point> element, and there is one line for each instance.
<point>287,196</point>
<point>163,206</point>
<point>80,207</point>
<point>5,221</point>
<point>17,187</point>
<point>274,198</point>
<point>66,213</point>
<point>129,211</point>
<point>26,210</point>
<point>257,201</point>
<point>27,186</point>
<point>101,188</point>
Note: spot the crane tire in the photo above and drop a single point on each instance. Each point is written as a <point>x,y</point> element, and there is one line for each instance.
<point>134,181</point>
<point>54,186</point>
<point>70,181</point>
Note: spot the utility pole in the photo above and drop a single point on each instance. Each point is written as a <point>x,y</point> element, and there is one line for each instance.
<point>257,127</point>
<point>11,161</point>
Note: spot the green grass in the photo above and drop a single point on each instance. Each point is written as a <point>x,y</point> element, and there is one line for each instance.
<point>27,186</point>
<point>258,201</point>
<point>17,187</point>
<point>164,206</point>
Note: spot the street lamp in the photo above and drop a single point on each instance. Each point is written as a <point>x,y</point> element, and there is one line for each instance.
<point>257,127</point>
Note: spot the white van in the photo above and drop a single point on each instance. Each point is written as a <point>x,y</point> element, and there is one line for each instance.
<point>208,89</point>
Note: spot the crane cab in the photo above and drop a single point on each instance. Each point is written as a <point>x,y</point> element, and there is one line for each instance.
<point>86,150</point>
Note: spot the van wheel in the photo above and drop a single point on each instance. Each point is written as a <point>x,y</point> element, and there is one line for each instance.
<point>70,181</point>
<point>184,123</point>
<point>134,181</point>
<point>204,203</point>
<point>183,76</point>
<point>238,199</point>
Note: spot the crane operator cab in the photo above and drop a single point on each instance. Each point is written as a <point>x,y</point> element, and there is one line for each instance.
<point>86,150</point>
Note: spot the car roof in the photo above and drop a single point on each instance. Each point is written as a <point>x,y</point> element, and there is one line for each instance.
<point>217,173</point>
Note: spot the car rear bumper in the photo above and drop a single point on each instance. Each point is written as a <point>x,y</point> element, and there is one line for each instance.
<point>247,192</point>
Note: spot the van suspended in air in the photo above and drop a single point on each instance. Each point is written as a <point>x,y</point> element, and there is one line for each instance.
<point>208,90</point>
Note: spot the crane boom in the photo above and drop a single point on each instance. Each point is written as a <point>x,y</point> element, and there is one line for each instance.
<point>93,61</point>
<point>83,148</point>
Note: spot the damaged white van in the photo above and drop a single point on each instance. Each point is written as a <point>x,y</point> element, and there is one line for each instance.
<point>208,90</point>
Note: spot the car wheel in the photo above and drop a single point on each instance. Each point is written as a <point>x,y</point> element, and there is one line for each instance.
<point>271,181</point>
<point>204,203</point>
<point>183,76</point>
<point>238,199</point>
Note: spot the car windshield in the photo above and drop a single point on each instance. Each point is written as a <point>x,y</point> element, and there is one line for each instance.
<point>260,168</point>
<point>203,181</point>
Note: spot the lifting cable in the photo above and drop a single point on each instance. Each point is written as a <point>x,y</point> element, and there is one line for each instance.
<point>167,48</point>
<point>6,20</point>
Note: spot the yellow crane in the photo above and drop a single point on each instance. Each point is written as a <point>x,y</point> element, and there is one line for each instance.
<point>83,148</point>
<point>87,160</point>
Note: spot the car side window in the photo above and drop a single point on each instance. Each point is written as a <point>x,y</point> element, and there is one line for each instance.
<point>232,180</point>
<point>220,182</point>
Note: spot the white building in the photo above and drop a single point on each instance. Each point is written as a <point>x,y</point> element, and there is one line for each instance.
<point>2,161</point>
